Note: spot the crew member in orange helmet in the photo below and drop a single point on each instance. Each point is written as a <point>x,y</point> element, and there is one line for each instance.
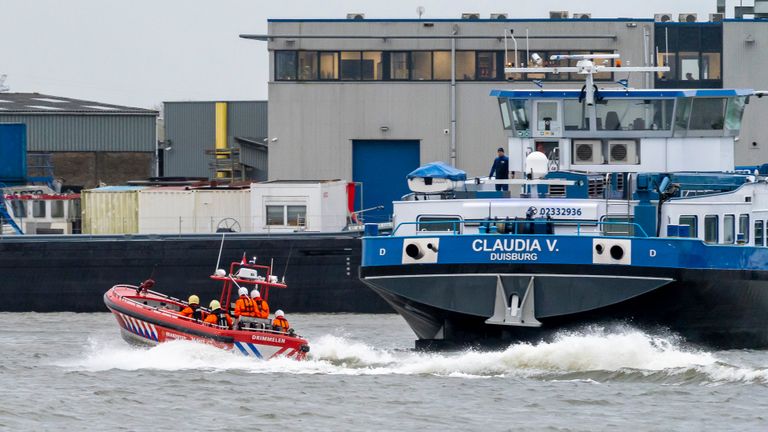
<point>218,316</point>
<point>244,306</point>
<point>193,309</point>
<point>280,323</point>
<point>262,308</point>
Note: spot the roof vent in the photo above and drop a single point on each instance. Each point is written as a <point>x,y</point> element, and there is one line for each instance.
<point>470,16</point>
<point>582,16</point>
<point>355,16</point>
<point>687,17</point>
<point>499,16</point>
<point>716,17</point>
<point>558,14</point>
<point>662,17</point>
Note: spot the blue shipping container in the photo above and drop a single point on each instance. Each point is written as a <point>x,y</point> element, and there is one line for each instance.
<point>13,153</point>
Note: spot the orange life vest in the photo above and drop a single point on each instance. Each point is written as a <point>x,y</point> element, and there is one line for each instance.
<point>196,313</point>
<point>218,317</point>
<point>262,308</point>
<point>282,323</point>
<point>246,307</point>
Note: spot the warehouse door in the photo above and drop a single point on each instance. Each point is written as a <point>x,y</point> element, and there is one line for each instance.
<point>381,166</point>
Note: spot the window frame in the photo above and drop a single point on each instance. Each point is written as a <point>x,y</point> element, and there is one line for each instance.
<point>732,218</point>
<point>278,53</point>
<point>458,221</point>
<point>708,218</point>
<point>694,228</point>
<point>759,223</point>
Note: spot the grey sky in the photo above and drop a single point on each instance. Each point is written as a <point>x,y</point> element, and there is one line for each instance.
<point>143,52</point>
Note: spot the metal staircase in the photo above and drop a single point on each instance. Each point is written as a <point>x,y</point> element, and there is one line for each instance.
<point>7,225</point>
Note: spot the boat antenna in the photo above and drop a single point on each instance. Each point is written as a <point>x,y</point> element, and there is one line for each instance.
<point>218,260</point>
<point>285,270</point>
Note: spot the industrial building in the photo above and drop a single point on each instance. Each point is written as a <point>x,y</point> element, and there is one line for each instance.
<point>83,143</point>
<point>368,100</point>
<point>225,140</point>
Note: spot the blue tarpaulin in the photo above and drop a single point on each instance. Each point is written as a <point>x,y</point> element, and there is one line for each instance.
<point>438,170</point>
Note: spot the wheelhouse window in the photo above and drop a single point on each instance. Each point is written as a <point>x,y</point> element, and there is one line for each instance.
<point>728,229</point>
<point>692,222</point>
<point>634,114</point>
<point>506,118</point>
<point>575,115</point>
<point>744,228</point>
<point>710,228</point>
<point>759,233</point>
<point>285,65</point>
<point>707,114</point>
<point>19,208</point>
<point>57,209</point>
<point>38,209</point>
<point>734,113</point>
<point>521,110</point>
<point>439,224</point>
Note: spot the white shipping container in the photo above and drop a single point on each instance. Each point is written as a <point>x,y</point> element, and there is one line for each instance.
<point>169,210</point>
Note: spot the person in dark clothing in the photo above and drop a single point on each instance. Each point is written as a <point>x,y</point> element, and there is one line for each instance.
<point>500,169</point>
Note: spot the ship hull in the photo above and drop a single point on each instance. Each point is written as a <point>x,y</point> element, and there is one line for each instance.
<point>458,305</point>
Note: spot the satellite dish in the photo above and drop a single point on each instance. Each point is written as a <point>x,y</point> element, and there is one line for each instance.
<point>536,165</point>
<point>420,10</point>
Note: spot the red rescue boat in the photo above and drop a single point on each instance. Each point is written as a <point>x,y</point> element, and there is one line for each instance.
<point>148,317</point>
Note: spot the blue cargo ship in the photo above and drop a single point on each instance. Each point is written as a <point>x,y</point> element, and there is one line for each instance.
<point>629,210</point>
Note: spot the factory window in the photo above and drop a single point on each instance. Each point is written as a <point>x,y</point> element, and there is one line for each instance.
<point>759,233</point>
<point>694,54</point>
<point>465,65</point>
<point>350,65</point>
<point>372,66</point>
<point>535,59</point>
<point>693,224</point>
<point>286,215</point>
<point>329,66</point>
<point>487,68</point>
<point>276,215</point>
<point>398,65</point>
<point>728,228</point>
<point>38,209</point>
<point>285,65</point>
<point>296,215</point>
<point>307,65</point>
<point>441,61</point>
<point>710,229</point>
<point>744,228</point>
<point>57,209</point>
<point>19,208</point>
<point>421,65</point>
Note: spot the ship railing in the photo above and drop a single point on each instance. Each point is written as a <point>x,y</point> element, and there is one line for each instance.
<point>175,314</point>
<point>540,227</point>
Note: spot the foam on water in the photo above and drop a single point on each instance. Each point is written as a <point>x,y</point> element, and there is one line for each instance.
<point>596,355</point>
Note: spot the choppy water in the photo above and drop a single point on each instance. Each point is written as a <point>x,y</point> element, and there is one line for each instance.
<point>73,372</point>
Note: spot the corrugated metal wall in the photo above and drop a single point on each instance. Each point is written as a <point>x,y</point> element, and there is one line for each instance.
<point>191,128</point>
<point>72,133</point>
<point>113,212</point>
